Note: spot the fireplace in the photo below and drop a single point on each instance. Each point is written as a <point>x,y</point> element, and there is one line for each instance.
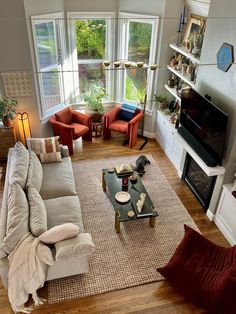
<point>200,183</point>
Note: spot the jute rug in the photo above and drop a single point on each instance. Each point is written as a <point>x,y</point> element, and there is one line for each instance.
<point>131,257</point>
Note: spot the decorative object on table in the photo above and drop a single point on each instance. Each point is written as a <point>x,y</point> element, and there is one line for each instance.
<point>194,34</point>
<point>161,101</point>
<point>225,57</point>
<point>131,213</point>
<point>124,169</point>
<point>7,110</point>
<point>141,202</point>
<point>140,163</point>
<point>133,178</point>
<point>23,126</point>
<point>234,187</point>
<point>122,197</point>
<point>93,100</point>
<point>125,183</point>
<point>111,169</point>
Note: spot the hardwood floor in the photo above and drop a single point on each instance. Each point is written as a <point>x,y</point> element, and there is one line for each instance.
<point>157,297</point>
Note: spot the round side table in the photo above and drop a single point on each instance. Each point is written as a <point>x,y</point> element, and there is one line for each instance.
<point>97,128</point>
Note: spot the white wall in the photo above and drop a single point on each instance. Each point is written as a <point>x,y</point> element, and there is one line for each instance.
<point>218,84</point>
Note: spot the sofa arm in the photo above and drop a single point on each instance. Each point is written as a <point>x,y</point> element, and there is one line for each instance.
<point>64,151</point>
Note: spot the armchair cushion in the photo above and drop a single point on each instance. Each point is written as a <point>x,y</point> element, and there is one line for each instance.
<point>119,126</point>
<point>203,272</point>
<point>64,116</point>
<point>79,129</point>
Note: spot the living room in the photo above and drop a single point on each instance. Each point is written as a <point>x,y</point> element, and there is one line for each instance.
<point>17,56</point>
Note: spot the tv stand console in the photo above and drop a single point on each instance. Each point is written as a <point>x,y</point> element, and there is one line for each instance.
<point>197,147</point>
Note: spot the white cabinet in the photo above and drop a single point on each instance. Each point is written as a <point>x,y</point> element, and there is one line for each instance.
<point>166,137</point>
<point>225,217</point>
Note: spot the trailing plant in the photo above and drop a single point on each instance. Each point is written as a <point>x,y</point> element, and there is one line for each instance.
<point>160,99</point>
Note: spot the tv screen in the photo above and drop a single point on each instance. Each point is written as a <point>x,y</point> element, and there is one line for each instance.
<point>205,122</point>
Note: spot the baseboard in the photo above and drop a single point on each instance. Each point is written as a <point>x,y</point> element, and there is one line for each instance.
<point>210,216</point>
<point>149,134</point>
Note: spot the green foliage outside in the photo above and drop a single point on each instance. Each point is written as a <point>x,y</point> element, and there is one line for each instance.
<point>90,39</point>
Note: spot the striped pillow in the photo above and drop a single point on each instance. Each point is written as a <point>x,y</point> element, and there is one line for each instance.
<point>47,149</point>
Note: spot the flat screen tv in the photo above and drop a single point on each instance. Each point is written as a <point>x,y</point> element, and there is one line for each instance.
<point>206,123</point>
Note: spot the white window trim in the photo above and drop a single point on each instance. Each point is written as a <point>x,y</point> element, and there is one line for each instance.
<point>71,16</point>
<point>44,115</point>
<point>123,35</point>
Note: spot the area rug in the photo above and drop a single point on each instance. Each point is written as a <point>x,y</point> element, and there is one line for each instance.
<point>131,257</point>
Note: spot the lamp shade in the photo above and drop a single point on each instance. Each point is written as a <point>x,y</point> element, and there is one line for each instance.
<point>23,126</point>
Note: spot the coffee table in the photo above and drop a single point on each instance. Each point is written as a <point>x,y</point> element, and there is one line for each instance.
<point>112,184</point>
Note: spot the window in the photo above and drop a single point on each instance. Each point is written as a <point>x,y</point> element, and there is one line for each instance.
<point>137,40</point>
<point>90,43</point>
<point>49,47</point>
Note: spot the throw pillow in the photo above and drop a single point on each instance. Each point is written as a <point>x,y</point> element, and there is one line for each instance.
<point>37,212</point>
<point>59,233</point>
<point>19,165</point>
<point>127,112</point>
<point>35,173</point>
<point>203,272</point>
<point>82,244</point>
<point>17,217</point>
<point>47,149</point>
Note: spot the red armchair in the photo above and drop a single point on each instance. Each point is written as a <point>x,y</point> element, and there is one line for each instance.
<point>130,128</point>
<point>70,124</point>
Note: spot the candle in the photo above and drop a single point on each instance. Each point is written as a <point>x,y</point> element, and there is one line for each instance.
<point>180,22</point>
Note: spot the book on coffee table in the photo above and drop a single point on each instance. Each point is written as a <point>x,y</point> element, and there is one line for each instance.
<point>124,170</point>
<point>143,213</point>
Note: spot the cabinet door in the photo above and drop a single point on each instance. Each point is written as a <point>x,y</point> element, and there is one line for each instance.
<point>161,129</point>
<point>177,151</point>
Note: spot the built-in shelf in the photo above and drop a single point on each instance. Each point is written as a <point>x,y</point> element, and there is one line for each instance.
<point>185,78</point>
<point>172,90</point>
<point>185,53</point>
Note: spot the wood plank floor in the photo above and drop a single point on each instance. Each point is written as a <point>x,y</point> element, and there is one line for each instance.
<point>156,297</point>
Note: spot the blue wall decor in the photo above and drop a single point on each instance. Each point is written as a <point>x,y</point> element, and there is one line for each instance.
<point>225,57</point>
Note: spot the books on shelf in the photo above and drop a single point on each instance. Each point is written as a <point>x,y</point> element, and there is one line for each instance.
<point>124,170</point>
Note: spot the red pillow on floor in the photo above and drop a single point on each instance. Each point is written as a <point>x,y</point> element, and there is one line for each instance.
<point>203,272</point>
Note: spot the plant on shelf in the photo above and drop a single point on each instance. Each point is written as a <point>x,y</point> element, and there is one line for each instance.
<point>161,100</point>
<point>93,100</point>
<point>7,110</point>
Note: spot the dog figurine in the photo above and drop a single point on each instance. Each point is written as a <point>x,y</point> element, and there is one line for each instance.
<point>140,163</point>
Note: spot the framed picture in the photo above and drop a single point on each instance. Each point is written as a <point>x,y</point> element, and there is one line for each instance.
<point>195,25</point>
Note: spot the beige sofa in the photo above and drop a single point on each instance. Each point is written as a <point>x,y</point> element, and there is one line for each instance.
<point>62,205</point>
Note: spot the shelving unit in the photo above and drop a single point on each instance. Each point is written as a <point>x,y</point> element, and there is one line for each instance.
<point>183,51</point>
<point>172,90</point>
<point>180,75</point>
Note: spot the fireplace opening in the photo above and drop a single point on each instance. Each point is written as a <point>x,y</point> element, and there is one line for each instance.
<point>200,183</point>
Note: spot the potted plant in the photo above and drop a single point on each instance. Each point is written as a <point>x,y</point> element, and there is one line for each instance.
<point>7,110</point>
<point>93,100</point>
<point>161,100</point>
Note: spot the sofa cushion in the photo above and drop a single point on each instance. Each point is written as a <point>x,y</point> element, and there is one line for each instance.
<point>37,210</point>
<point>17,218</point>
<point>35,173</point>
<point>19,165</point>
<point>59,233</point>
<point>47,149</point>
<point>62,210</point>
<point>58,179</point>
<point>82,244</point>
<point>203,272</point>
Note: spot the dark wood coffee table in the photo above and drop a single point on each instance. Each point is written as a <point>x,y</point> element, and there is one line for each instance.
<point>112,184</point>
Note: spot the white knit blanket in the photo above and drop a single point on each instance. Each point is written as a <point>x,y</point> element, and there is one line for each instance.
<point>27,273</point>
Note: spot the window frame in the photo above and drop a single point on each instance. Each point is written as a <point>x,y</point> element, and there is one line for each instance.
<point>123,43</point>
<point>109,44</point>
<point>59,31</point>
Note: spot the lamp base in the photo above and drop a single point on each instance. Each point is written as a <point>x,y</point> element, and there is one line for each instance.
<point>145,142</point>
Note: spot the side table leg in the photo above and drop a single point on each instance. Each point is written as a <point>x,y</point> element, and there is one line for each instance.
<point>117,223</point>
<point>103,182</point>
<point>152,222</point>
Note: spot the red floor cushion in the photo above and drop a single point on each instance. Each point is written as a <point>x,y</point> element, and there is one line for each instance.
<point>203,272</point>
